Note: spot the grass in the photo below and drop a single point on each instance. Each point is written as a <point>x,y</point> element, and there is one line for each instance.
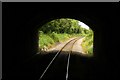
<point>59,37</point>
<point>45,40</point>
<point>48,40</point>
<point>87,44</point>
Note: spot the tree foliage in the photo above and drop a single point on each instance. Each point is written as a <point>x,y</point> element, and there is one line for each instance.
<point>63,25</point>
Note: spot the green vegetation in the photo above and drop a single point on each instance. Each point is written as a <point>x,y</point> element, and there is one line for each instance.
<point>87,43</point>
<point>50,39</point>
<point>62,29</point>
<point>64,25</point>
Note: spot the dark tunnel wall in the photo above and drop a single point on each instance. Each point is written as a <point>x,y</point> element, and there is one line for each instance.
<point>20,36</point>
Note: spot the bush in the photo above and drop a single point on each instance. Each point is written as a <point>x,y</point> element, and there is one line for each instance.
<point>45,40</point>
<point>54,36</point>
<point>87,44</point>
<point>50,39</point>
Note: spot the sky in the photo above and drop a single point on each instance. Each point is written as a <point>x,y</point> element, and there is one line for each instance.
<point>83,25</point>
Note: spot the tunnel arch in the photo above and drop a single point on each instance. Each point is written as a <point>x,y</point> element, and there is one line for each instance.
<point>51,19</point>
<point>91,21</point>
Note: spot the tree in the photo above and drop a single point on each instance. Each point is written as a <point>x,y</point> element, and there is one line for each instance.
<point>63,25</point>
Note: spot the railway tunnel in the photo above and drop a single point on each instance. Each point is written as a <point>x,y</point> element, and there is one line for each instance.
<point>23,42</point>
<point>73,62</point>
<point>55,34</point>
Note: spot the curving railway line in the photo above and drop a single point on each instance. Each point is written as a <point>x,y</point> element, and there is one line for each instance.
<point>61,57</point>
<point>63,64</point>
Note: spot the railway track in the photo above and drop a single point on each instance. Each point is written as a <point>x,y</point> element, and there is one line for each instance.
<point>61,57</point>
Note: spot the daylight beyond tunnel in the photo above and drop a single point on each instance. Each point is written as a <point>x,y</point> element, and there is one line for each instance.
<point>55,34</point>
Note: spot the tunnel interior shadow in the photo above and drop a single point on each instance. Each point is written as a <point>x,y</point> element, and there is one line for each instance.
<point>81,68</point>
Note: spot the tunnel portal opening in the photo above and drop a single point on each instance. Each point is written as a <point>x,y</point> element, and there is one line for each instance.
<point>54,34</point>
